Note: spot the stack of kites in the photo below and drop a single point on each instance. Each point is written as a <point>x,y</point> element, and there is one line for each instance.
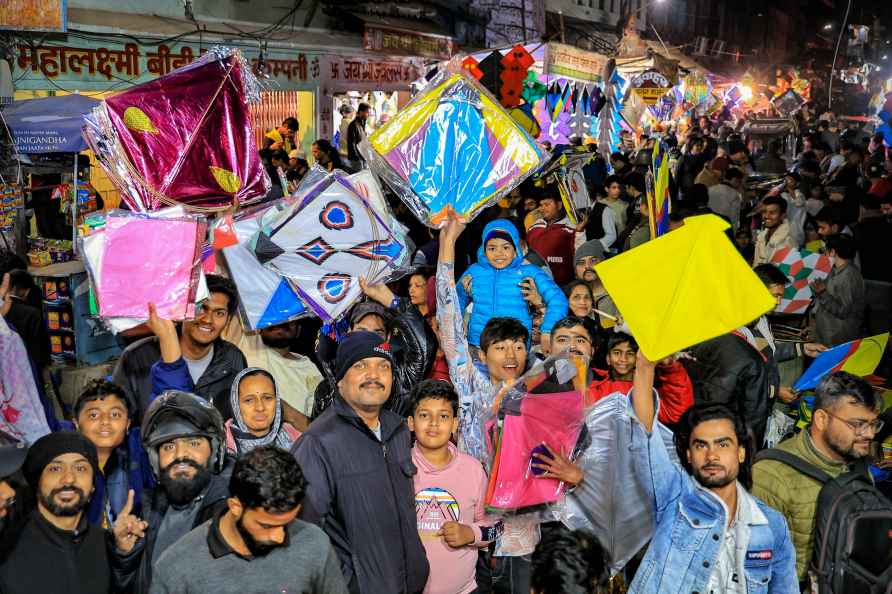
<point>658,197</point>
<point>524,422</point>
<point>311,250</point>
<point>610,117</point>
<point>183,138</point>
<point>135,259</point>
<point>452,149</point>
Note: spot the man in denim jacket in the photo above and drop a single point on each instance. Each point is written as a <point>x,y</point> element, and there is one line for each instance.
<point>711,536</point>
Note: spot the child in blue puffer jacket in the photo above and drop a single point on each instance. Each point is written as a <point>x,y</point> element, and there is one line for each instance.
<point>494,284</point>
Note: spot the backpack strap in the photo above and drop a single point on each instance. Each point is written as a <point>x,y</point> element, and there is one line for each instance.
<point>795,462</point>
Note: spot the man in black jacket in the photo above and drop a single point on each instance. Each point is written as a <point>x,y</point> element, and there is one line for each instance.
<point>357,460</point>
<point>184,437</point>
<point>412,344</point>
<point>58,551</point>
<point>732,370</point>
<point>212,361</point>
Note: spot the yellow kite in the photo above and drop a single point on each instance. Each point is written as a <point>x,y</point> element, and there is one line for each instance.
<point>684,287</point>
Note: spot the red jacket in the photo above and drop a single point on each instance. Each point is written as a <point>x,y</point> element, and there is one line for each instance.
<point>674,388</point>
<point>556,243</point>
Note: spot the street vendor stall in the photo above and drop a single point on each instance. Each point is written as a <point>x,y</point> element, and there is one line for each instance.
<point>47,136</point>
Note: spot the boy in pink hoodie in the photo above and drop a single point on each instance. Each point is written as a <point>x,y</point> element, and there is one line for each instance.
<point>450,488</point>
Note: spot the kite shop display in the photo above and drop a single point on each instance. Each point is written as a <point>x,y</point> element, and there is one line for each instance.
<point>553,91</point>
<point>47,136</point>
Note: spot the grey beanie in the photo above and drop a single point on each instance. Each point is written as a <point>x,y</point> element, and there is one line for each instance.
<point>590,248</point>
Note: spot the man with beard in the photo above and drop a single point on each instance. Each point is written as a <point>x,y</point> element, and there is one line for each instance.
<point>183,436</point>
<point>58,551</point>
<point>843,424</point>
<point>357,458</point>
<point>211,361</point>
<point>711,535</point>
<point>256,543</point>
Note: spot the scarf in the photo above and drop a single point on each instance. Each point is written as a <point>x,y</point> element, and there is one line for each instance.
<point>244,439</point>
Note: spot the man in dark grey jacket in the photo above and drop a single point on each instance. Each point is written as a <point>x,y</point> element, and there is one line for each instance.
<point>256,543</point>
<point>213,362</point>
<point>358,462</point>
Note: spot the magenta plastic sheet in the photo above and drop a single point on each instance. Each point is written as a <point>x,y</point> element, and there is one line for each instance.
<point>185,137</point>
<point>148,260</point>
<point>554,419</point>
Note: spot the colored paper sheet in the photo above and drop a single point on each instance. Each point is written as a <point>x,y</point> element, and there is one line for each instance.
<point>684,287</point>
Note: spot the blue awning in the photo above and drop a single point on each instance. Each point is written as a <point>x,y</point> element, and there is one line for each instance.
<point>49,124</point>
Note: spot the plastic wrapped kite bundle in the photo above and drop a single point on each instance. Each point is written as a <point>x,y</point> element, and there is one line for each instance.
<point>135,259</point>
<point>326,238</point>
<point>265,297</point>
<point>542,412</point>
<point>183,138</point>
<point>452,148</point>
<point>612,502</point>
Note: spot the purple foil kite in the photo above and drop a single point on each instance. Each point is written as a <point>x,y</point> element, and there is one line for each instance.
<point>184,138</point>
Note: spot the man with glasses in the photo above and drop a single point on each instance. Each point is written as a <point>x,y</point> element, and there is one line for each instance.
<point>843,424</point>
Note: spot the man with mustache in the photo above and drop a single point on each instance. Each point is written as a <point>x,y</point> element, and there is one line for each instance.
<point>58,551</point>
<point>357,459</point>
<point>183,436</point>
<point>844,422</point>
<point>256,543</point>
<point>711,535</point>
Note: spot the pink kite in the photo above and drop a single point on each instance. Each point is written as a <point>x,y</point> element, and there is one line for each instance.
<point>184,138</point>
<point>553,419</point>
<point>149,260</point>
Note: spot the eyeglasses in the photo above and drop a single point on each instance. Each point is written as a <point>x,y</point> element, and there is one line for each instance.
<point>7,503</point>
<point>860,427</point>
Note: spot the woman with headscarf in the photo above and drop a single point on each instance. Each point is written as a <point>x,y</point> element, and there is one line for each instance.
<point>257,414</point>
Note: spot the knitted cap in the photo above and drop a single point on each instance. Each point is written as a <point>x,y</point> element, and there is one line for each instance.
<point>50,446</point>
<point>590,248</point>
<point>357,346</point>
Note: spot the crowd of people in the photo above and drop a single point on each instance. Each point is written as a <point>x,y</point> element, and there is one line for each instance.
<point>219,460</point>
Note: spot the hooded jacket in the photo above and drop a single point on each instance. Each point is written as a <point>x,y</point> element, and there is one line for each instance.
<point>361,494</point>
<point>793,494</point>
<point>496,293</point>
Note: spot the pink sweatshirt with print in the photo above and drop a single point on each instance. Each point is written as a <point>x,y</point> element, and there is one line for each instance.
<point>454,493</point>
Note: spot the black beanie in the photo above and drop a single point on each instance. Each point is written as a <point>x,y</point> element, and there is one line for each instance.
<point>48,447</point>
<point>357,346</point>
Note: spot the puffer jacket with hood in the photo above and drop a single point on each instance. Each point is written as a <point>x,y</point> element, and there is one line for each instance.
<point>496,293</point>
